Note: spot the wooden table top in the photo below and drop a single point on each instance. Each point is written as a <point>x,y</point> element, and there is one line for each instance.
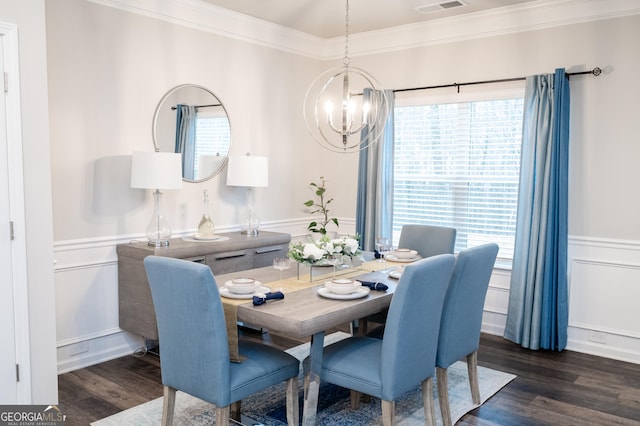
<point>303,312</point>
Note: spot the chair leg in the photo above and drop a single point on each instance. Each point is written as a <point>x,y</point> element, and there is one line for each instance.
<point>293,411</point>
<point>236,409</point>
<point>443,395</point>
<point>168,405</point>
<point>355,399</point>
<point>222,415</point>
<point>427,401</point>
<point>363,326</point>
<point>388,411</point>
<point>472,369</point>
<point>305,382</point>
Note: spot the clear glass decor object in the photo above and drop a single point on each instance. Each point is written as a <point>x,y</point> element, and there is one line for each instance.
<point>206,227</point>
<point>281,263</point>
<point>158,231</point>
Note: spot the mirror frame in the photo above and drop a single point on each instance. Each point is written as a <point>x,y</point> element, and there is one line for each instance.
<point>163,104</point>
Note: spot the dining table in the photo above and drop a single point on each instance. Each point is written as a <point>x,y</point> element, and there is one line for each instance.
<point>307,311</point>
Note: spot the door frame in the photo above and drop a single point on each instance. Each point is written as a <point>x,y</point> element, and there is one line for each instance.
<point>9,37</point>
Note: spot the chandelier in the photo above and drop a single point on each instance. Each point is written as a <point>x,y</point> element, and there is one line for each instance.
<point>337,106</point>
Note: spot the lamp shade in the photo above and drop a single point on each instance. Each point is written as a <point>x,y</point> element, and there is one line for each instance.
<point>248,170</point>
<point>156,170</point>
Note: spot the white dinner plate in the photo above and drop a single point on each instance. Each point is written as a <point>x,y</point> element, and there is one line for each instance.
<point>360,292</point>
<point>205,238</point>
<point>396,273</point>
<point>224,292</point>
<point>392,258</point>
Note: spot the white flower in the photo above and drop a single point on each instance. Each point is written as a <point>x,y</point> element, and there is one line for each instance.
<point>351,246</point>
<point>313,252</point>
<point>330,248</point>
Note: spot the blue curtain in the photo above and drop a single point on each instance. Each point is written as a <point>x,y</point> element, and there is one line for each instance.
<point>537,316</point>
<point>374,206</point>
<point>186,138</point>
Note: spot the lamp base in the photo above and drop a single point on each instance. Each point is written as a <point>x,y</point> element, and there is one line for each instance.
<point>250,223</point>
<point>158,230</point>
<point>158,244</point>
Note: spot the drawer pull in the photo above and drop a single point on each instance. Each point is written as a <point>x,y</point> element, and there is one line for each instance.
<point>223,256</point>
<point>268,249</point>
<point>198,259</point>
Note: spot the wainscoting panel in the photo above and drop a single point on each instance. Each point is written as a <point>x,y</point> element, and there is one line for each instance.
<point>599,289</point>
<point>496,302</point>
<point>604,287</point>
<point>86,280</point>
<point>86,301</point>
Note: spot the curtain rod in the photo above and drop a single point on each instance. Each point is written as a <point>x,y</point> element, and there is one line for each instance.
<point>202,106</point>
<point>596,72</point>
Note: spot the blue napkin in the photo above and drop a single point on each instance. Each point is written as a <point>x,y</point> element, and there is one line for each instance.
<point>259,300</point>
<point>374,285</point>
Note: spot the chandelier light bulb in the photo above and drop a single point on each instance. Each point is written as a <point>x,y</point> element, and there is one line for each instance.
<point>328,107</point>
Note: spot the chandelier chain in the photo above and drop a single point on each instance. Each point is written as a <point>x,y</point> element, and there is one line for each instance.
<point>346,60</point>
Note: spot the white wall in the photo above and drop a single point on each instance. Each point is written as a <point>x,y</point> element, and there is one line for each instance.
<point>604,126</point>
<point>604,244</point>
<point>106,83</point>
<point>28,15</point>
<point>107,71</point>
<point>108,68</point>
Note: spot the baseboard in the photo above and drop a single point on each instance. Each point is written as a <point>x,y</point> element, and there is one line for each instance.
<point>493,323</point>
<point>97,350</point>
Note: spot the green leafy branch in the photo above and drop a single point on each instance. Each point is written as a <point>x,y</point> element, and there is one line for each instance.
<point>321,206</point>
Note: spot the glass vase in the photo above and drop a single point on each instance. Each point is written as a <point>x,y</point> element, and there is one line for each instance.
<point>206,227</point>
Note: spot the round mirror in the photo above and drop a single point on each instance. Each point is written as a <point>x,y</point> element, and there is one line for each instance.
<point>192,121</point>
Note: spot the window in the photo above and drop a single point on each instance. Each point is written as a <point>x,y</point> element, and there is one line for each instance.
<point>212,136</point>
<point>457,164</point>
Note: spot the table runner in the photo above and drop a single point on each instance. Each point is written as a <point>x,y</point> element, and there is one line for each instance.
<point>286,285</point>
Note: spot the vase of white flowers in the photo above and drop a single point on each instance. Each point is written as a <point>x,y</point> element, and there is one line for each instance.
<point>321,251</point>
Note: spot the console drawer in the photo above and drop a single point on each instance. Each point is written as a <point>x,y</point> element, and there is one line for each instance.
<point>263,256</point>
<point>231,261</point>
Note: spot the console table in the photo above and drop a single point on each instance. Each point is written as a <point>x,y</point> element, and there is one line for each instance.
<point>237,252</point>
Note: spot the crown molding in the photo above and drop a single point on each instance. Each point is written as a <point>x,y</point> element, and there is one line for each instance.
<point>529,16</point>
<point>203,16</point>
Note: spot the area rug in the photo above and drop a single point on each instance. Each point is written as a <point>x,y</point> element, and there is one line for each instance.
<point>267,407</point>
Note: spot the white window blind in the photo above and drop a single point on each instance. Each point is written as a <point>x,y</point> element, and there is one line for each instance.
<point>212,134</point>
<point>457,164</point>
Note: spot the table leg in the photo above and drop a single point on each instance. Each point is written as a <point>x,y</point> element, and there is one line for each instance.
<point>312,383</point>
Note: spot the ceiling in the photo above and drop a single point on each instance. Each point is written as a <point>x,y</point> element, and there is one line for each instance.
<point>326,18</point>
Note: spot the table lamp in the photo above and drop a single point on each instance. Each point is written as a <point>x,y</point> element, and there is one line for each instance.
<point>157,170</point>
<point>251,172</point>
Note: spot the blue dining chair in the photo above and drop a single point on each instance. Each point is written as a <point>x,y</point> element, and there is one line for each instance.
<point>404,358</point>
<point>428,240</point>
<point>194,351</point>
<point>462,319</point>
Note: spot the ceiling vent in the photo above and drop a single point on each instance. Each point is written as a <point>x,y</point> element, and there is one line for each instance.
<point>440,6</point>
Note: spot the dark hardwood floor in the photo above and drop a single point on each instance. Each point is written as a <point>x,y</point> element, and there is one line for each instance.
<point>566,388</point>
